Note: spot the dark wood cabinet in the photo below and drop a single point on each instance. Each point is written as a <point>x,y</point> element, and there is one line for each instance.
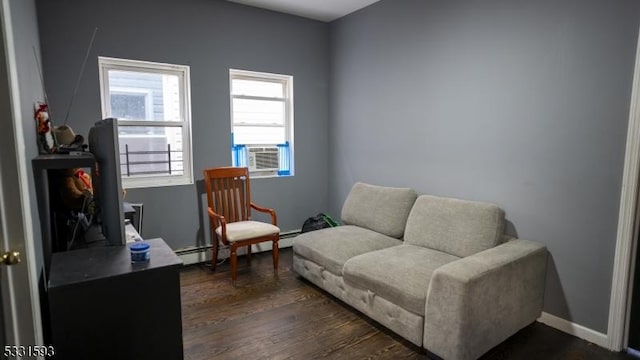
<point>104,307</point>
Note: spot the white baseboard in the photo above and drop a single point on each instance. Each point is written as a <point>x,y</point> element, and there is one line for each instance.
<point>197,255</point>
<point>574,329</point>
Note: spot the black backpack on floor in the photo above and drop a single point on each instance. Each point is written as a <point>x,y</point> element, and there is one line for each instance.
<point>318,222</point>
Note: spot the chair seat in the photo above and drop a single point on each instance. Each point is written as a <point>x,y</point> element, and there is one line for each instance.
<point>243,230</point>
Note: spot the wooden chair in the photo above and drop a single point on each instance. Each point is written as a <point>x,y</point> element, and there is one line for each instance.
<point>229,200</point>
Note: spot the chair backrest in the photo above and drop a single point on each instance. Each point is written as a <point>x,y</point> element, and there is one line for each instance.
<point>228,192</point>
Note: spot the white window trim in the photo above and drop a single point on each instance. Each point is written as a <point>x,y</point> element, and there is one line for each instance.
<point>183,72</point>
<point>287,80</point>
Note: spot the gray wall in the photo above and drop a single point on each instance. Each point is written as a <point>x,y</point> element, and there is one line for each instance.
<point>517,102</point>
<point>210,36</point>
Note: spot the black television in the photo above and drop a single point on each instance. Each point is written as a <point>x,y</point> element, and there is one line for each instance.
<point>107,183</point>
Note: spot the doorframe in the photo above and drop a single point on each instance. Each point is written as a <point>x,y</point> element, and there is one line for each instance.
<point>34,327</point>
<point>619,308</point>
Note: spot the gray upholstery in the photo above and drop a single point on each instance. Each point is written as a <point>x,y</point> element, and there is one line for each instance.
<point>400,274</point>
<point>477,302</point>
<point>331,247</point>
<point>403,322</point>
<point>457,227</point>
<point>451,287</point>
<point>378,208</point>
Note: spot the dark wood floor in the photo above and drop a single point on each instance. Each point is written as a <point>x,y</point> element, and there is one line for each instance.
<point>285,317</point>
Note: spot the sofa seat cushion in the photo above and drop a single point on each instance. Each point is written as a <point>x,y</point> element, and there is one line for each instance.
<point>331,247</point>
<point>457,227</point>
<point>379,208</point>
<point>400,274</point>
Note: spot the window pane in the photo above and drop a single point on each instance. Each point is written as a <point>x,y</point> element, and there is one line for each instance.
<point>131,106</point>
<point>257,88</point>
<point>144,96</point>
<point>258,112</point>
<point>258,135</point>
<point>150,150</point>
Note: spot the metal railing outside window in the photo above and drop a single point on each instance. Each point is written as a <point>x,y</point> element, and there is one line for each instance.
<point>151,162</point>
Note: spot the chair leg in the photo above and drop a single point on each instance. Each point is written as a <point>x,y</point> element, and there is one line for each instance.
<point>214,252</point>
<point>249,254</point>
<point>275,251</point>
<point>234,265</point>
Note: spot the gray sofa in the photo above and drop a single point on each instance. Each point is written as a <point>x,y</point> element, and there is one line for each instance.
<point>437,271</point>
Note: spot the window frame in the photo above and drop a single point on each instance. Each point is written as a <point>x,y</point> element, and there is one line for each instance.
<point>287,99</point>
<point>106,64</point>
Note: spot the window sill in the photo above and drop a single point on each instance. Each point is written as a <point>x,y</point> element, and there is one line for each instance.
<point>256,176</point>
<point>150,182</point>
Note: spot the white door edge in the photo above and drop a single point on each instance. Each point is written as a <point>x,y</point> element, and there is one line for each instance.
<point>23,174</point>
<point>620,286</point>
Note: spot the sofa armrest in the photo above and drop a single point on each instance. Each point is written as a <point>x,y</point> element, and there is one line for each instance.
<point>477,302</point>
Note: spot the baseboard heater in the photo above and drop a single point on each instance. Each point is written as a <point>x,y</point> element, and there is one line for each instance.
<point>198,254</point>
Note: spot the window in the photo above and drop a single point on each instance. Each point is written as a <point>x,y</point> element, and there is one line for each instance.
<point>262,122</point>
<point>152,104</point>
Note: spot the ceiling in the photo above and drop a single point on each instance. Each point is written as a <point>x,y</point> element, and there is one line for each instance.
<point>323,10</point>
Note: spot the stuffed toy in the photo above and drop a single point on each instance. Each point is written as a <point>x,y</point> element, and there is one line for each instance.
<point>46,143</point>
<point>42,118</point>
<point>76,189</point>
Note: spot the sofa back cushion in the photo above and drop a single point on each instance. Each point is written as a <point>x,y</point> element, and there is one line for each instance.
<point>457,227</point>
<point>378,208</point>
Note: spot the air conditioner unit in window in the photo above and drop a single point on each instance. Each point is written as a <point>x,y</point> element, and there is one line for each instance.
<point>263,158</point>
